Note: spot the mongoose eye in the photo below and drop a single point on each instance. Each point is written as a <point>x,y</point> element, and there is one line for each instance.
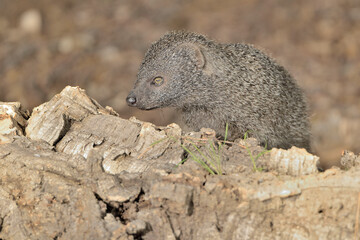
<point>157,81</point>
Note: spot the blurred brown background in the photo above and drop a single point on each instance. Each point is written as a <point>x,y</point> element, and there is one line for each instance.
<point>98,45</point>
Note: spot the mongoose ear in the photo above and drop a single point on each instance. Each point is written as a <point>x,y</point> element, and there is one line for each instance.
<point>195,53</point>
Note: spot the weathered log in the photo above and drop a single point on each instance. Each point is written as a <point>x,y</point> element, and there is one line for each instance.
<point>12,121</point>
<point>50,121</point>
<point>82,172</point>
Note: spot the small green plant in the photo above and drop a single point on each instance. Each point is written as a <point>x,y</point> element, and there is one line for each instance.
<point>212,162</point>
<point>255,158</point>
<point>200,160</point>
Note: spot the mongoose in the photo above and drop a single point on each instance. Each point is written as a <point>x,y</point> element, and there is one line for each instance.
<point>214,84</point>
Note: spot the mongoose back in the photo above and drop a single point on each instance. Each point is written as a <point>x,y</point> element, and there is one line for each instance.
<point>214,84</point>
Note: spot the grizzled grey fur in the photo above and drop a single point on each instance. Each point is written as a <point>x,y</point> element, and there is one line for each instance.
<point>214,84</point>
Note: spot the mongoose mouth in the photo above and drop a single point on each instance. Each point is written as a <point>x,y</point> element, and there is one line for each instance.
<point>147,109</point>
<point>142,107</point>
<point>132,101</point>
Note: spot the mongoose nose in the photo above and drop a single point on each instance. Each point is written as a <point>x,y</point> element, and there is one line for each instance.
<point>131,99</point>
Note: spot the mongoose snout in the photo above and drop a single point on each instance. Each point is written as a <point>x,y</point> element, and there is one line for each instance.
<point>131,100</point>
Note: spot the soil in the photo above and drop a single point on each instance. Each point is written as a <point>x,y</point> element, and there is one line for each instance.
<point>76,170</point>
<point>99,45</point>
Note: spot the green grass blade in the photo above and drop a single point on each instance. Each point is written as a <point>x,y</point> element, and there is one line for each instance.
<point>252,159</point>
<point>217,158</point>
<point>198,160</point>
<point>181,162</point>
<point>226,132</point>
<point>158,141</point>
<point>204,156</point>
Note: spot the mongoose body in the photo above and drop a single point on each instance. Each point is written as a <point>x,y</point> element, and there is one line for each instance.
<point>214,84</point>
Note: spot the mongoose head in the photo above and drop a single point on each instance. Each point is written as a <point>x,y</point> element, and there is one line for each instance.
<point>170,66</point>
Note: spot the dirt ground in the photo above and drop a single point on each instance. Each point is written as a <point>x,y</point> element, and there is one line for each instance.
<point>99,45</point>
<point>76,170</point>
